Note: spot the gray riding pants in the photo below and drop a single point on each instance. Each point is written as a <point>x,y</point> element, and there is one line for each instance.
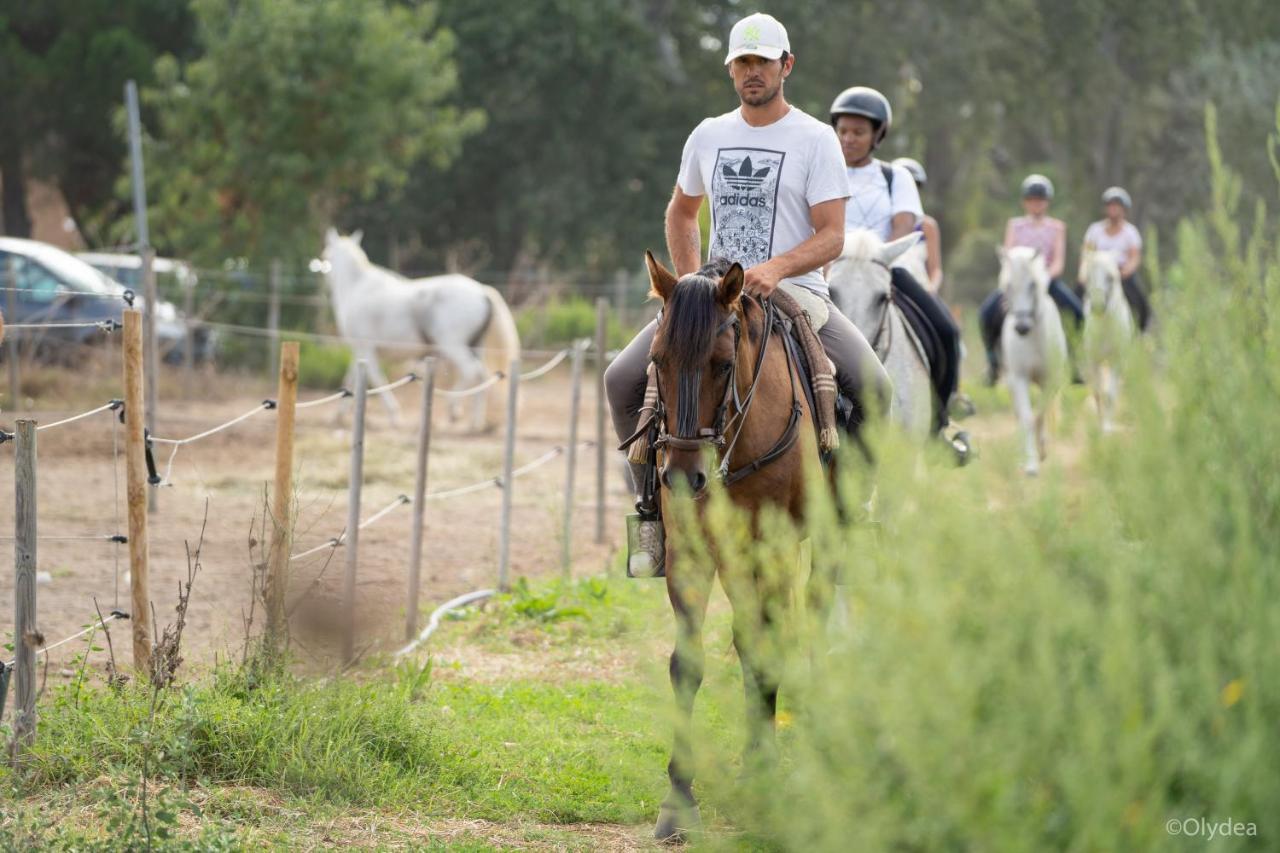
<point>857,370</point>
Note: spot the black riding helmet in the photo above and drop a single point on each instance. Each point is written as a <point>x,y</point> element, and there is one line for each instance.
<point>867,102</point>
<point>1037,186</point>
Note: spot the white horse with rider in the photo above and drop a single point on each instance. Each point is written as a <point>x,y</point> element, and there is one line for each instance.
<point>1033,345</point>
<point>1108,330</point>
<point>455,317</point>
<point>861,288</point>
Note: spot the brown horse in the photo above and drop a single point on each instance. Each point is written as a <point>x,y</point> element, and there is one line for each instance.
<point>726,382</point>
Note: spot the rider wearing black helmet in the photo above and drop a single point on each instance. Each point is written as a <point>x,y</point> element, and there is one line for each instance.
<point>884,199</point>
<point>1048,236</point>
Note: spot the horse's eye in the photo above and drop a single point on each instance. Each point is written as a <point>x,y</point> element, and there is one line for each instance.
<point>656,361</point>
<point>723,369</point>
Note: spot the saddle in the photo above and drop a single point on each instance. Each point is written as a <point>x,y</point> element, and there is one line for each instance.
<point>802,315</point>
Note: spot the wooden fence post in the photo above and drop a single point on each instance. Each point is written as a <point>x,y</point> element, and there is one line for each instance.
<point>508,487</point>
<point>136,490</point>
<point>602,325</point>
<point>11,301</point>
<point>419,498</point>
<point>354,487</point>
<point>277,583</point>
<point>575,402</point>
<point>26,636</point>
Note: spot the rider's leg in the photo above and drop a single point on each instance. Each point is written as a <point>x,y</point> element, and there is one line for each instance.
<point>624,384</point>
<point>857,368</point>
<point>1067,300</point>
<point>946,375</point>
<point>990,320</point>
<point>1137,301</point>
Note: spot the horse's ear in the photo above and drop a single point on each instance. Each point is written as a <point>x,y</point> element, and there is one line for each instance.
<point>731,286</point>
<point>662,282</point>
<point>1003,254</point>
<point>330,235</point>
<point>357,235</point>
<point>890,252</point>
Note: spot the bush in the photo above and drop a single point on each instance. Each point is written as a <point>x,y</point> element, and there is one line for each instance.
<point>563,320</point>
<point>1094,658</point>
<point>322,366</point>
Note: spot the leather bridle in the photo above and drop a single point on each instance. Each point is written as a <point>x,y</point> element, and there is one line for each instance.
<point>715,435</point>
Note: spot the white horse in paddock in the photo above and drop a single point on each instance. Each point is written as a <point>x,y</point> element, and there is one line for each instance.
<point>861,289</point>
<point>1033,345</point>
<point>465,322</point>
<point>1108,331</point>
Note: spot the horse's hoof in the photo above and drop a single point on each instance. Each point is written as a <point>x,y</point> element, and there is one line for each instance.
<point>1031,471</point>
<point>962,446</point>
<point>675,823</point>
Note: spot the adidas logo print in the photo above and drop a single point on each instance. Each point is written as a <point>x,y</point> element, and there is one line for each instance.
<point>746,178</point>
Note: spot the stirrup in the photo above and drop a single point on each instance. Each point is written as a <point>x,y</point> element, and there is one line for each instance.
<point>646,546</point>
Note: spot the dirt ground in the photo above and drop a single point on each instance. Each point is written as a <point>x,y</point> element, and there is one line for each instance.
<point>78,490</point>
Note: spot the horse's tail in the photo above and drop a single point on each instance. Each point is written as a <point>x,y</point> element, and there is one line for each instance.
<point>500,343</point>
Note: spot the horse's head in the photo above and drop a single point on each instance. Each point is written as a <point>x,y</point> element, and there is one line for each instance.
<point>694,354</point>
<point>1024,280</point>
<point>1101,278</point>
<point>860,279</point>
<point>344,258</point>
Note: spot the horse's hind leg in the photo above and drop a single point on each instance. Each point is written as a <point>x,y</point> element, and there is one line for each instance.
<point>375,378</point>
<point>688,586</point>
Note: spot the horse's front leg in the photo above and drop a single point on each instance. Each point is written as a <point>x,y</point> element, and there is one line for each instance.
<point>1020,391</point>
<point>688,586</point>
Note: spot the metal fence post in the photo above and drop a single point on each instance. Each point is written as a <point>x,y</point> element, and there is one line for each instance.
<point>353,513</point>
<point>508,487</point>
<point>575,402</point>
<point>419,498</point>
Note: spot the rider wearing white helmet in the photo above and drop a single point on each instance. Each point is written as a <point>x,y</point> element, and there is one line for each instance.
<point>776,185</point>
<point>928,226</point>
<point>884,199</point>
<point>1118,236</point>
<point>1047,235</point>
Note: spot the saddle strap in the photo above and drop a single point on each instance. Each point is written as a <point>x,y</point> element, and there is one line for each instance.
<point>822,376</point>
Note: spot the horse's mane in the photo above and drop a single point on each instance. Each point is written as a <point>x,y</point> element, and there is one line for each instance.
<point>1021,258</point>
<point>860,244</point>
<point>693,313</point>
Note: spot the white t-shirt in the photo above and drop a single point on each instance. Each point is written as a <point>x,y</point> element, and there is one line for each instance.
<point>870,206</point>
<point>761,182</point>
<point>1118,244</point>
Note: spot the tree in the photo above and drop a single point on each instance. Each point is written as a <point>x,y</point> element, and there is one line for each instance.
<point>64,65</point>
<point>294,109</point>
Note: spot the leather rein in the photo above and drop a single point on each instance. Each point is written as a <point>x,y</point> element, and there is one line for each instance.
<point>715,436</point>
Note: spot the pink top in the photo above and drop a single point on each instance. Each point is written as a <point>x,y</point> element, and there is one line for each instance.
<point>1041,235</point>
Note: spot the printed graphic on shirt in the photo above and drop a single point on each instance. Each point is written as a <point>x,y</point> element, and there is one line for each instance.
<point>744,203</point>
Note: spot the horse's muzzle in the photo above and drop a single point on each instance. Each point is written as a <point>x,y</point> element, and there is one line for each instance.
<point>694,479</point>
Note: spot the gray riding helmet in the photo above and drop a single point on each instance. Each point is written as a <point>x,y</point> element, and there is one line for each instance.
<point>867,102</point>
<point>913,166</point>
<point>1037,186</point>
<point>1119,194</point>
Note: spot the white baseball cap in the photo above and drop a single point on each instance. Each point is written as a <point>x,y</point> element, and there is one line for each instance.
<point>758,35</point>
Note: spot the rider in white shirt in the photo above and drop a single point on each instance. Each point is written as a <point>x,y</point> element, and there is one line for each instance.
<point>1118,236</point>
<point>884,199</point>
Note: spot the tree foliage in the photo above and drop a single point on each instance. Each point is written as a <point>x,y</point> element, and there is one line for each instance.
<point>293,109</point>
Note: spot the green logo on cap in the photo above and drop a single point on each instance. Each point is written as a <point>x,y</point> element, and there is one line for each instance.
<point>751,32</point>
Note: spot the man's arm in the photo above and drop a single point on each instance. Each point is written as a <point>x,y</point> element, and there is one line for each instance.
<point>933,252</point>
<point>902,224</point>
<point>1059,254</point>
<point>684,238</point>
<point>825,245</point>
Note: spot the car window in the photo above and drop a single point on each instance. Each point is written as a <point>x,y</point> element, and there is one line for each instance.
<point>35,283</point>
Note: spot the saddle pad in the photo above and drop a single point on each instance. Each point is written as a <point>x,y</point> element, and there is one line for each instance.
<point>810,303</point>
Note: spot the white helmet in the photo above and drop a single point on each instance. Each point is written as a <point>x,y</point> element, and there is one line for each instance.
<point>1119,194</point>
